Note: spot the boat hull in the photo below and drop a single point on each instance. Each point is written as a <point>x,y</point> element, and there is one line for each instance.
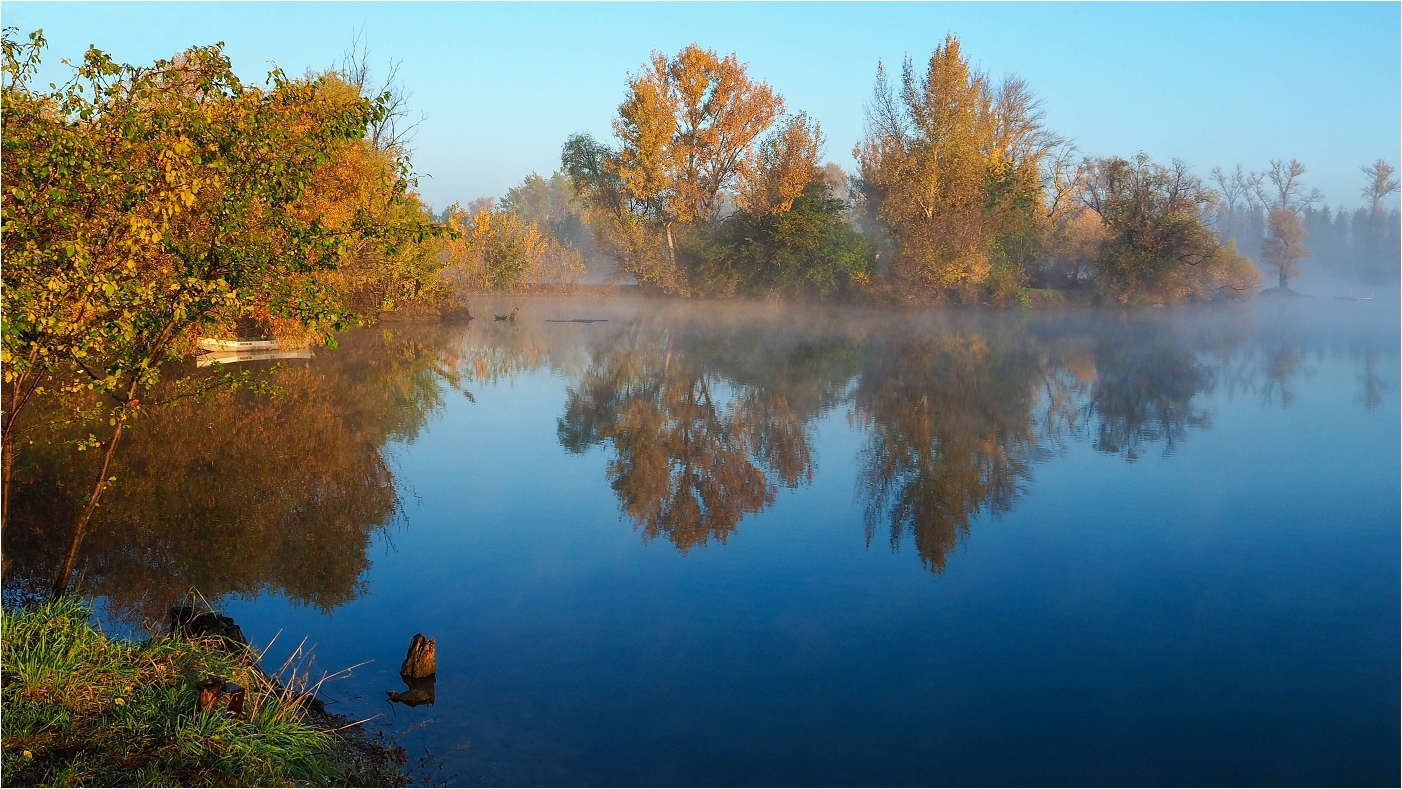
<point>235,357</point>
<point>210,344</point>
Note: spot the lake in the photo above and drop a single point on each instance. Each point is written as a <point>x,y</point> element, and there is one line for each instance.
<point>741,544</point>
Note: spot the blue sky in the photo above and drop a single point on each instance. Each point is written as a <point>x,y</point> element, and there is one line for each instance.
<point>503,84</point>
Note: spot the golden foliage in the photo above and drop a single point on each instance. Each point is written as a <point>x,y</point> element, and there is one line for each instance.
<point>687,129</point>
<point>785,163</point>
<point>498,250</point>
<point>1285,246</point>
<point>953,165</point>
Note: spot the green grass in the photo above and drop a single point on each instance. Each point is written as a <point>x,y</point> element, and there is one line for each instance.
<point>81,709</point>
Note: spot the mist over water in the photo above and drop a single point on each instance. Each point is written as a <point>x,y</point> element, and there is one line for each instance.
<point>740,543</point>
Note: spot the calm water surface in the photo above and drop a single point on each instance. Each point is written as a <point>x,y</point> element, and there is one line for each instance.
<point>730,544</point>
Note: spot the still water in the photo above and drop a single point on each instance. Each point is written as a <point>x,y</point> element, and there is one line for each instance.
<point>742,544</point>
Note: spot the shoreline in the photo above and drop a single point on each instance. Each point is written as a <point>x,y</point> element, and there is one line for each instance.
<point>188,708</point>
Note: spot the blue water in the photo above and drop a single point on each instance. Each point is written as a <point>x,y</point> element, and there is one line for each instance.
<point>1212,600</point>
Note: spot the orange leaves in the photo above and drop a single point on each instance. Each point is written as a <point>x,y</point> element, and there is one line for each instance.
<point>785,163</point>
<point>688,127</point>
<point>498,250</point>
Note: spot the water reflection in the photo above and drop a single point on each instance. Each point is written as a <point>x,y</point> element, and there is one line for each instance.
<point>1145,392</point>
<point>950,433</point>
<point>694,452</point>
<point>241,493</point>
<point>704,413</point>
<point>704,418</point>
<point>1373,386</point>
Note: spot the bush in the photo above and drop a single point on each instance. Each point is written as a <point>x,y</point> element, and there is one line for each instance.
<point>810,250</point>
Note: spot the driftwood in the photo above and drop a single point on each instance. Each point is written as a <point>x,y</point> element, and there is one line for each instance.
<point>421,660</point>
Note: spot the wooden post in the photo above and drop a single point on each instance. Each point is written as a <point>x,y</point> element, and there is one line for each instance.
<point>209,694</point>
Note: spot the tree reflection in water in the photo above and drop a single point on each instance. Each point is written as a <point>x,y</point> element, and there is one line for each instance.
<point>950,433</point>
<point>702,432</point>
<point>241,493</point>
<point>1144,392</point>
<point>705,413</point>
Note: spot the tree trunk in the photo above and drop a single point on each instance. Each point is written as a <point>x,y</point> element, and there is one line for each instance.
<point>7,450</point>
<point>1284,279</point>
<point>20,392</point>
<point>80,529</point>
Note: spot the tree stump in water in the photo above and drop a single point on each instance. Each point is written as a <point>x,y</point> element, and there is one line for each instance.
<point>421,660</point>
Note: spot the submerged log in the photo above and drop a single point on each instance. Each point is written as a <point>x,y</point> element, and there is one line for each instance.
<point>421,660</point>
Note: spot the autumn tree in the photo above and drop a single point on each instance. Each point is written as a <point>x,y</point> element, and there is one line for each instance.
<point>1380,185</point>
<point>953,164</point>
<point>1285,246</point>
<point>1285,195</point>
<point>687,132</point>
<point>146,206</point>
<point>391,259</point>
<point>496,249</point>
<point>790,235</point>
<point>1159,245</point>
<point>809,250</point>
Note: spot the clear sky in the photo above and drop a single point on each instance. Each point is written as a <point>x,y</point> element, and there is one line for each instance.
<point>503,84</point>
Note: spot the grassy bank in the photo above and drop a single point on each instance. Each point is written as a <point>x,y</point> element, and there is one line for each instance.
<point>82,709</point>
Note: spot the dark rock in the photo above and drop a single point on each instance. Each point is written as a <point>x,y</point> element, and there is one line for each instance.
<point>189,622</point>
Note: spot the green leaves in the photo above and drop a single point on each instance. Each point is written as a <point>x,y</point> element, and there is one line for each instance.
<point>809,250</point>
<point>145,206</point>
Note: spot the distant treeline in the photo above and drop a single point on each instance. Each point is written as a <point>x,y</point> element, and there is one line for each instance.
<point>1362,244</point>
<point>711,186</point>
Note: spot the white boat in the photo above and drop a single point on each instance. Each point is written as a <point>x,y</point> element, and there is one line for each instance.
<point>210,344</point>
<point>234,357</point>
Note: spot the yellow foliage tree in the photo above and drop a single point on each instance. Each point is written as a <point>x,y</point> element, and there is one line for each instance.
<point>687,133</point>
<point>954,167</point>
<point>1285,247</point>
<point>784,164</point>
<point>498,250</point>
